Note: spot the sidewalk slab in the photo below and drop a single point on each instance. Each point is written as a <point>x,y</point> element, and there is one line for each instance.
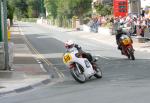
<point>11,75</point>
<point>18,84</point>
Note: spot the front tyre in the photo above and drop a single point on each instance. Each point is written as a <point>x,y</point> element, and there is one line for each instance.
<point>98,72</point>
<point>79,77</point>
<point>131,52</point>
<point>132,56</point>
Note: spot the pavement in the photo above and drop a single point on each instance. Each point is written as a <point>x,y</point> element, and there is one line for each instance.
<point>28,74</point>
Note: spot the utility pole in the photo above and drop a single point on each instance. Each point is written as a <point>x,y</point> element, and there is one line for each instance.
<point>3,34</point>
<point>1,37</point>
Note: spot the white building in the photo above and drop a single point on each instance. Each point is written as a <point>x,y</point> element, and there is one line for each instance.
<point>134,6</point>
<point>145,3</point>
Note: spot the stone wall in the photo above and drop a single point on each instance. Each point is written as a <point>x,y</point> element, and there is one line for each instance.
<point>134,6</point>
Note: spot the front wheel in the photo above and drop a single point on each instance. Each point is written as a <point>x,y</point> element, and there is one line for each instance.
<point>98,72</point>
<point>132,56</point>
<point>131,53</point>
<point>78,75</point>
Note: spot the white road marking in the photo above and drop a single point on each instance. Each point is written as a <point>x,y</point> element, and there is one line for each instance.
<point>61,75</point>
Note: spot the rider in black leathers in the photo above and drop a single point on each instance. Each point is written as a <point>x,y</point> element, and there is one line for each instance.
<point>120,32</point>
<point>118,35</point>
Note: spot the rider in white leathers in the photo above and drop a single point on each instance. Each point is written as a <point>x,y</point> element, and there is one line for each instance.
<point>69,45</point>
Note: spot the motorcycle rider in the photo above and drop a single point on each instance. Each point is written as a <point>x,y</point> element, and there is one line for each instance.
<point>69,45</point>
<point>118,35</point>
<point>120,32</point>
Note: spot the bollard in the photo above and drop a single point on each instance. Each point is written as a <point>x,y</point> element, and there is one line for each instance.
<point>8,29</point>
<point>9,35</point>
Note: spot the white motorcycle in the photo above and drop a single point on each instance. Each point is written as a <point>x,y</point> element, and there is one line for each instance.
<point>81,69</point>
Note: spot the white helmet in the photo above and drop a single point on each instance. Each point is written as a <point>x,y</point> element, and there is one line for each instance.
<point>69,44</point>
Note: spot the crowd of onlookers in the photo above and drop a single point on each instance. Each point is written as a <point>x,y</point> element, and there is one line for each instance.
<point>99,21</point>
<point>132,24</point>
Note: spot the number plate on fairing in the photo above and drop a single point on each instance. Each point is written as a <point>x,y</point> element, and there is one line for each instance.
<point>126,41</point>
<point>67,58</point>
<point>87,63</point>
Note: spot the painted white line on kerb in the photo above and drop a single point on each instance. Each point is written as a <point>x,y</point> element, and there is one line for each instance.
<point>35,51</point>
<point>60,74</point>
<point>41,65</point>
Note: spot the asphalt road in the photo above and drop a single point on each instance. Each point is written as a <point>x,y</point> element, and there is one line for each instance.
<point>124,81</point>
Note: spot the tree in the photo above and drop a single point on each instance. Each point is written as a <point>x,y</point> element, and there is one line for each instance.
<point>51,6</point>
<point>23,8</point>
<point>80,7</point>
<point>103,9</point>
<point>11,9</point>
<point>33,9</point>
<point>66,9</point>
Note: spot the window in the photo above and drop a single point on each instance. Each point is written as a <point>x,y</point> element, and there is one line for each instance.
<point>122,7</point>
<point>123,11</point>
<point>122,3</point>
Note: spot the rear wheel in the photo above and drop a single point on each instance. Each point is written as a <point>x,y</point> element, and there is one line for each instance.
<point>98,72</point>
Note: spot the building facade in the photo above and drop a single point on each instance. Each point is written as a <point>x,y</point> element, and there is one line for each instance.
<point>134,6</point>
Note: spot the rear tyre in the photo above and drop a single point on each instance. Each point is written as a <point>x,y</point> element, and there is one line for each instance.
<point>98,73</point>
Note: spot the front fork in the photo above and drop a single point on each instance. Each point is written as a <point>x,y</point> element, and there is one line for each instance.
<point>77,66</point>
<point>72,66</point>
<point>129,50</point>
